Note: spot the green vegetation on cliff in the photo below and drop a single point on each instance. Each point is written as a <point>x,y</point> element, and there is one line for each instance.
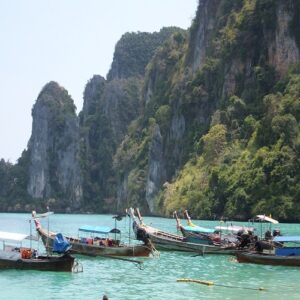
<point>258,171</point>
<point>231,127</point>
<point>13,185</point>
<point>248,162</point>
<point>205,120</point>
<point>134,51</point>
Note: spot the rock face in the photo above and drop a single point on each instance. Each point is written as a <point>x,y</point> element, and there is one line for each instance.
<point>139,127</point>
<point>54,169</point>
<point>227,54</point>
<point>134,51</point>
<point>122,104</point>
<point>202,31</point>
<point>156,170</point>
<point>283,50</point>
<point>109,108</point>
<point>92,94</point>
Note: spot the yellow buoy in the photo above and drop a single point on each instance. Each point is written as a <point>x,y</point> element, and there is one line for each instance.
<point>211,283</point>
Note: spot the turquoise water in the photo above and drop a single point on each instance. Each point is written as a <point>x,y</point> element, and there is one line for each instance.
<point>123,280</point>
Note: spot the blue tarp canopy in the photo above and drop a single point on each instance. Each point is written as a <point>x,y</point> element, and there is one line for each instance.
<point>96,229</point>
<point>286,239</point>
<point>198,229</point>
<point>61,245</point>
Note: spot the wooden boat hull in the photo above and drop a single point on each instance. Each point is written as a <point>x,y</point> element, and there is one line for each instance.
<point>197,238</point>
<point>96,250</point>
<point>41,263</point>
<point>268,259</point>
<point>208,238</point>
<point>176,245</point>
<point>171,242</point>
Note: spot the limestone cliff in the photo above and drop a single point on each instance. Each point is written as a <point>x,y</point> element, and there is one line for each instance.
<point>134,51</point>
<point>201,32</point>
<point>109,108</point>
<point>283,50</point>
<point>180,119</point>
<point>54,174</point>
<point>156,169</point>
<point>235,53</point>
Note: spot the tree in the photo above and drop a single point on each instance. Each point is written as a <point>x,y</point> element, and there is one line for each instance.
<point>214,143</point>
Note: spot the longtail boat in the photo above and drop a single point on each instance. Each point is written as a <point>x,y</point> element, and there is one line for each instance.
<point>197,234</point>
<point>24,258</point>
<point>234,235</point>
<point>93,246</point>
<point>284,256</point>
<point>171,242</point>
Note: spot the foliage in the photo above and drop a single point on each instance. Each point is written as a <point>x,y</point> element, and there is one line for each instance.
<point>261,176</point>
<point>134,51</point>
<point>13,185</point>
<point>234,146</point>
<point>229,130</point>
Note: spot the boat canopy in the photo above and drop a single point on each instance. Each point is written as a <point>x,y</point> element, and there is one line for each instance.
<point>235,228</point>
<point>11,236</point>
<point>98,229</point>
<point>44,215</point>
<point>286,239</point>
<point>198,229</point>
<point>264,218</point>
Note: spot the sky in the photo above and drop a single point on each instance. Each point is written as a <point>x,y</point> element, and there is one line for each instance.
<point>67,41</point>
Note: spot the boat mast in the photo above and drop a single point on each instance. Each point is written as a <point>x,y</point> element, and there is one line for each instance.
<point>47,242</point>
<point>139,215</point>
<point>129,224</point>
<point>115,229</point>
<point>30,231</point>
<point>177,220</point>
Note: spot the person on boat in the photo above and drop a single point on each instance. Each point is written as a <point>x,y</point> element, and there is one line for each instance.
<point>268,235</point>
<point>245,238</point>
<point>276,232</point>
<point>260,246</point>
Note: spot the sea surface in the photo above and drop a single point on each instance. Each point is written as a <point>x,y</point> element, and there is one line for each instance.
<point>157,280</point>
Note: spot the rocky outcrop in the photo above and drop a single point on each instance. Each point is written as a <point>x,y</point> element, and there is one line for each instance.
<point>156,171</point>
<point>139,127</point>
<point>54,169</point>
<point>283,50</point>
<point>121,105</point>
<point>92,94</point>
<point>134,51</point>
<point>202,30</point>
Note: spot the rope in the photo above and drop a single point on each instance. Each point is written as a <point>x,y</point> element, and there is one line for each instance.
<point>154,251</point>
<point>138,262</point>
<point>211,283</point>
